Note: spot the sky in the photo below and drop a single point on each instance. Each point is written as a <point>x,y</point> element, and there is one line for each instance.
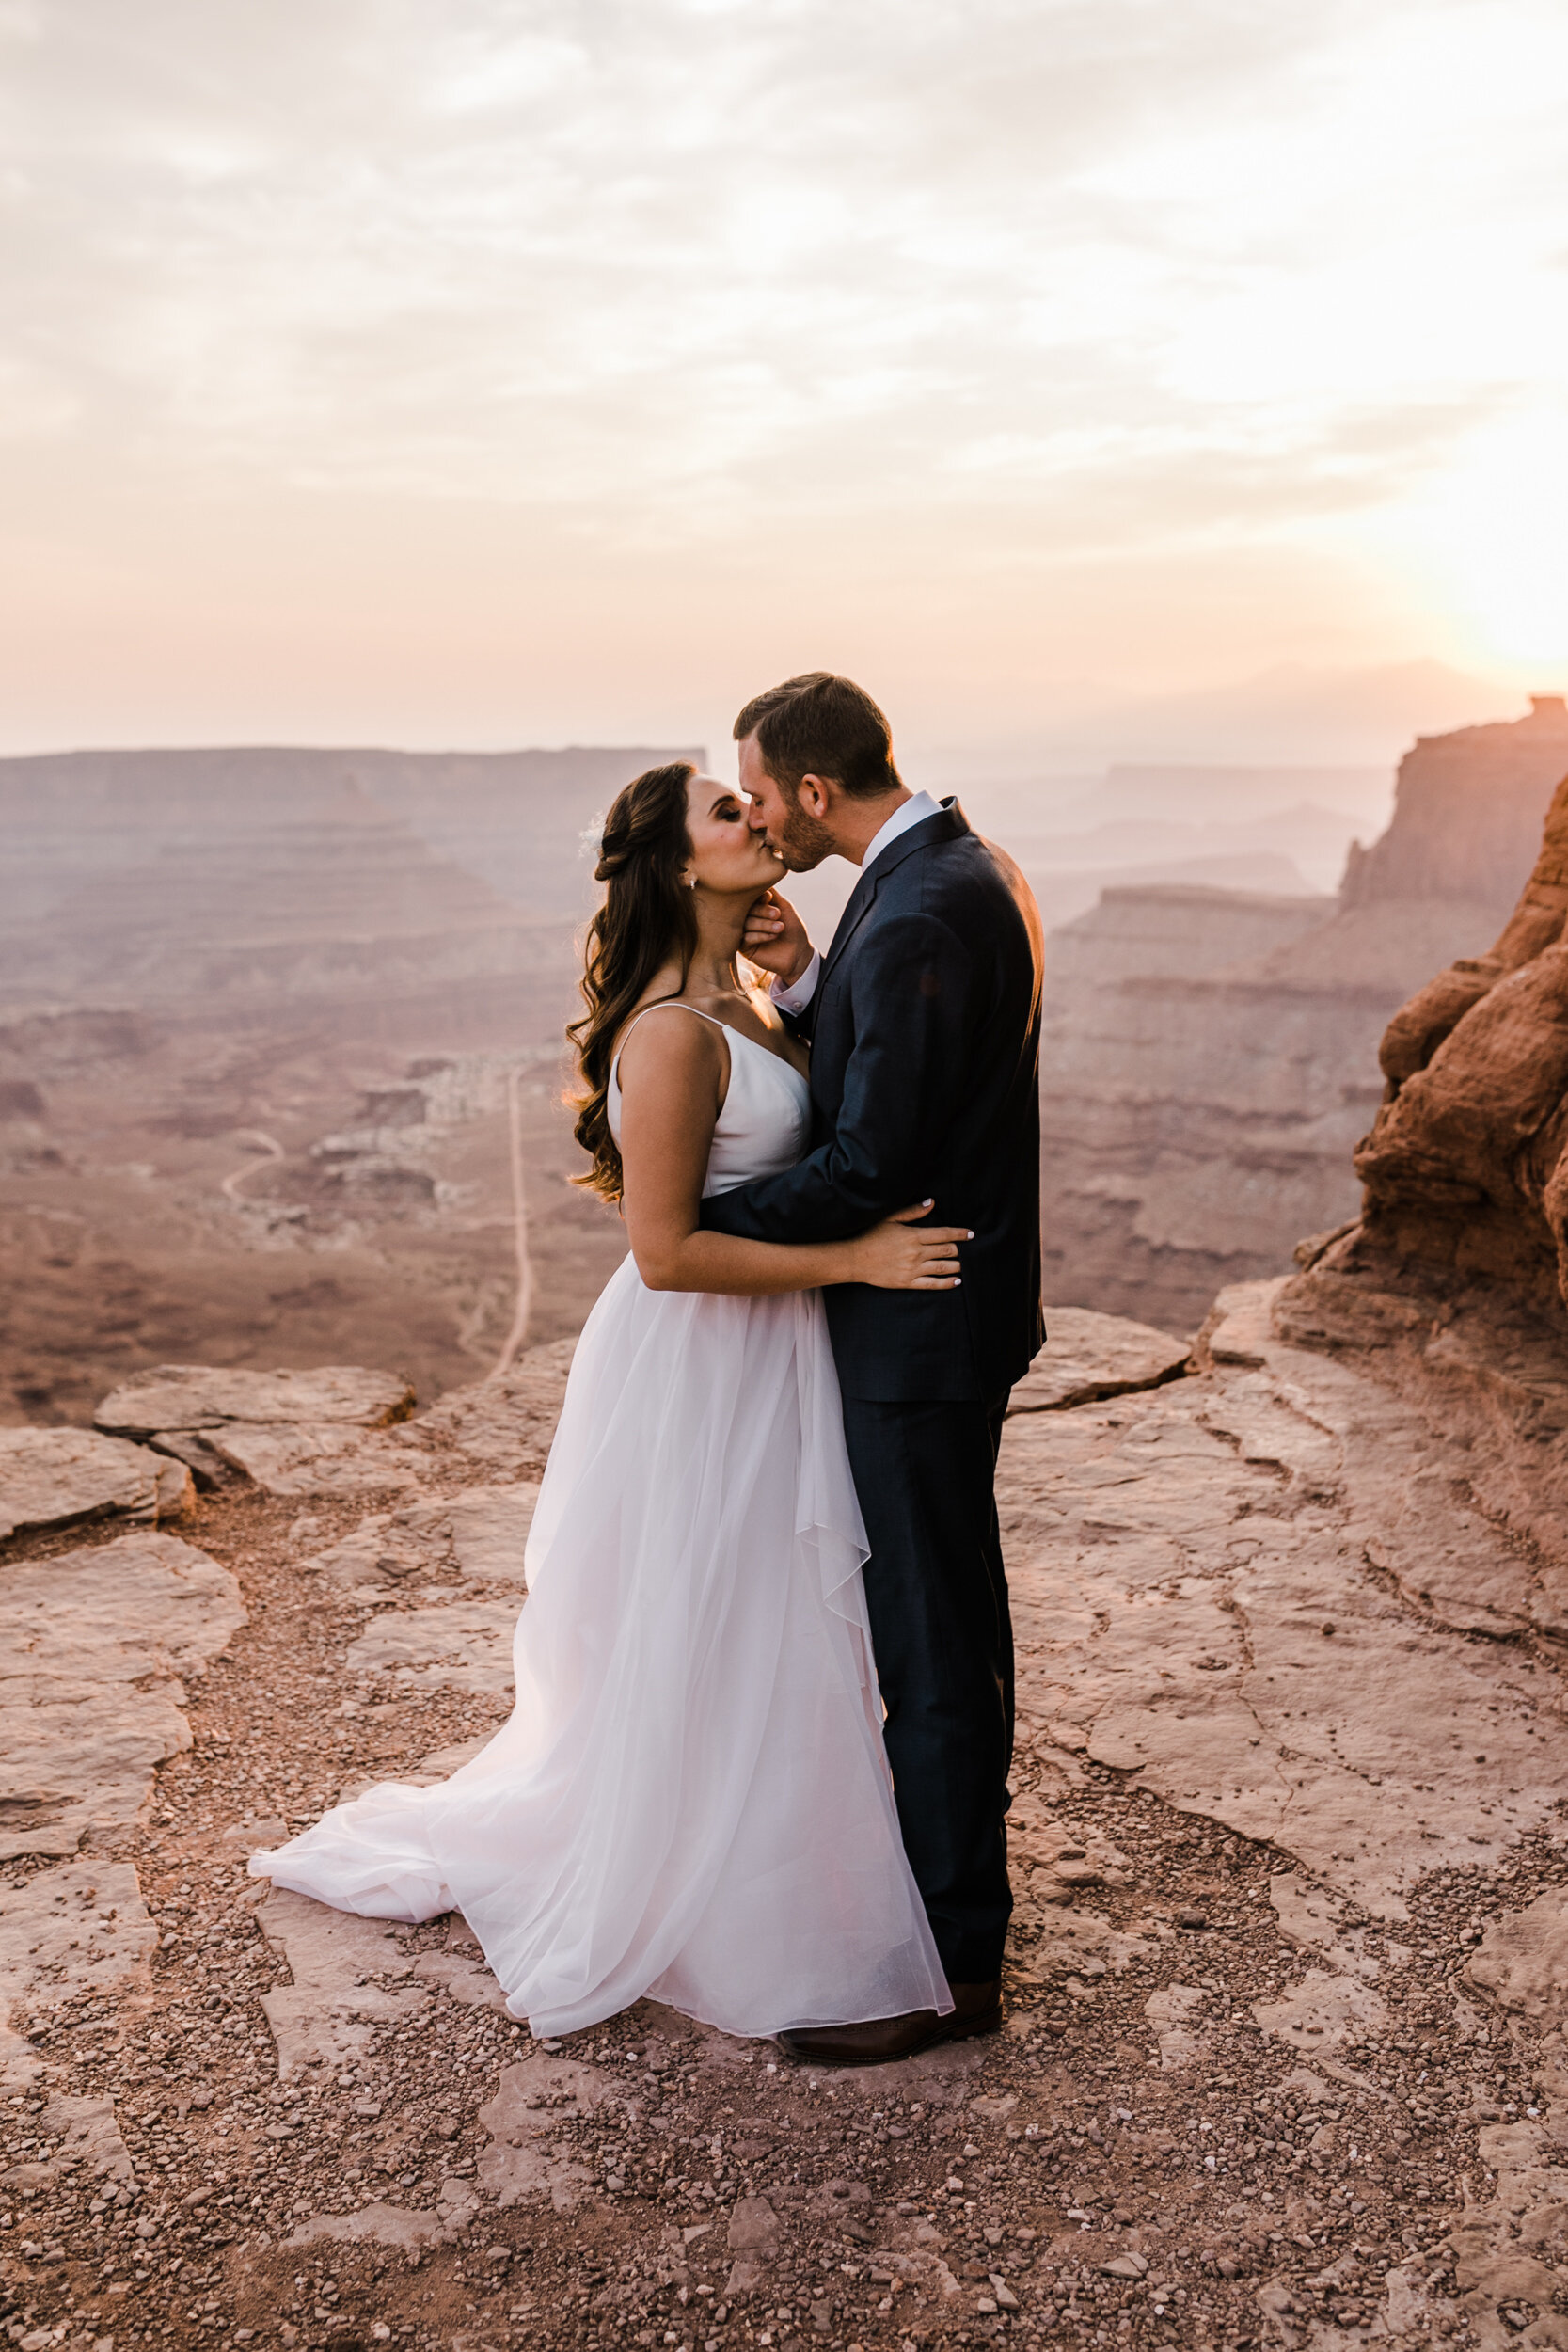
<point>1092,378</point>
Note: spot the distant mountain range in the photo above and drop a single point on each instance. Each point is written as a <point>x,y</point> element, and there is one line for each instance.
<point>209,878</point>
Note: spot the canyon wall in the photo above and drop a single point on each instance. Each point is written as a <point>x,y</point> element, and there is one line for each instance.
<point>513,818</point>
<point>316,906</point>
<point>226,883</point>
<point>1466,1169</point>
<point>281,1035</point>
<point>1210,1058</point>
<point>1451,1286</point>
<point>1467,811</point>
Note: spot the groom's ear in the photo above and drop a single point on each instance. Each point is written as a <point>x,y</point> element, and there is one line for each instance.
<point>815,796</point>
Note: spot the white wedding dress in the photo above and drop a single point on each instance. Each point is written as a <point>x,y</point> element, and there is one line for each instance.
<point>690,1799</point>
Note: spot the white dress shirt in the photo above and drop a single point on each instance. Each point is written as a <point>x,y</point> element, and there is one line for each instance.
<point>913,811</point>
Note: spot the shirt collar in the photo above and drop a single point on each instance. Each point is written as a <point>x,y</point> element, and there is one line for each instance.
<point>913,811</point>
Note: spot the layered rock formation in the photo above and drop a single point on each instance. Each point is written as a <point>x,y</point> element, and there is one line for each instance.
<point>1453,1281</point>
<point>258,1425</point>
<point>513,820</point>
<point>207,961</point>
<point>1203,1080</point>
<point>54,1477</point>
<point>1194,1119</point>
<point>1468,1162</point>
<point>1467,811</point>
<point>317,908</point>
<point>366,886</point>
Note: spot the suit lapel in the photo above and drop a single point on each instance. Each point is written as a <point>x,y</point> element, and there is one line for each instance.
<point>856,910</point>
<point>946,825</point>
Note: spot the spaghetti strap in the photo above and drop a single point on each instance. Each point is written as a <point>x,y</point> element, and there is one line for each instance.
<point>660,1004</point>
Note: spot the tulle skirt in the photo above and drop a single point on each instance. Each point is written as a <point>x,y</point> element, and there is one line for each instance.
<point>691,1797</point>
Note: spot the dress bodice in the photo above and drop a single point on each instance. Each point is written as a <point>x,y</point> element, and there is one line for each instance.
<point>766,1120</point>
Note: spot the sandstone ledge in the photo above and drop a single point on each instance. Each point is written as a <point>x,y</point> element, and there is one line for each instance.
<point>57,1477</point>
<point>1087,1356</point>
<point>1271,1879</point>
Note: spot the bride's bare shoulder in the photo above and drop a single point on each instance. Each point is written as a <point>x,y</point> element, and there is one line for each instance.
<point>666,1042</point>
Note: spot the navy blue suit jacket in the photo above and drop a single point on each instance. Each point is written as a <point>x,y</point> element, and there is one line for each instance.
<point>925,1054</point>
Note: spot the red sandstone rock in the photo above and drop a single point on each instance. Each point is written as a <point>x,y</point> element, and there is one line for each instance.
<point>1209,1057</point>
<point>1465,1164</point>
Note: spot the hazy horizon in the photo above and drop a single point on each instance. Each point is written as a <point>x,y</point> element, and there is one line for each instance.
<point>1094,383</point>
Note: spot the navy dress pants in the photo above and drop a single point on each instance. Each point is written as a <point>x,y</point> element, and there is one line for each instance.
<point>937,1597</point>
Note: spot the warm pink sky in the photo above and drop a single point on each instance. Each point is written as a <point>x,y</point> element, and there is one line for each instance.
<point>477,373</point>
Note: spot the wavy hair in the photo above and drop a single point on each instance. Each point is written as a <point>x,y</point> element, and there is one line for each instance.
<point>645,919</point>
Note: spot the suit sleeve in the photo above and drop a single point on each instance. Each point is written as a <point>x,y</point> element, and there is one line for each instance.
<point>911,986</point>
<point>796,1001</point>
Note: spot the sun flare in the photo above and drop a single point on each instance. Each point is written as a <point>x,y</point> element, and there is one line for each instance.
<point>1493,531</point>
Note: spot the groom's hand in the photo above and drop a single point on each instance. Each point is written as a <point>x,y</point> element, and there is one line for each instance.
<point>776,940</point>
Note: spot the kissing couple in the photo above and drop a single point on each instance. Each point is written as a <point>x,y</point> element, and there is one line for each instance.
<point>757,1767</point>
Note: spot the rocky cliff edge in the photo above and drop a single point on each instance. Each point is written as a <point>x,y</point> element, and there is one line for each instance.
<point>1288,1974</point>
<point>1453,1283</point>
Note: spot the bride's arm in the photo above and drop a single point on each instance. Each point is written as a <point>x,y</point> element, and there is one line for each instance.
<point>670,1072</point>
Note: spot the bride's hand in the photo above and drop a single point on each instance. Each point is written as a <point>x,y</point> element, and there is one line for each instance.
<point>901,1255</point>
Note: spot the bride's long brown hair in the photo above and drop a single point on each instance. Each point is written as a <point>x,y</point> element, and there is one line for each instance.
<point>646,918</point>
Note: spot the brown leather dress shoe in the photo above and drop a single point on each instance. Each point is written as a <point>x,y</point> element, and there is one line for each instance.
<point>977,2009</point>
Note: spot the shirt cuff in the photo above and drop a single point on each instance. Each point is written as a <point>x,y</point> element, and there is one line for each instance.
<point>799,995</point>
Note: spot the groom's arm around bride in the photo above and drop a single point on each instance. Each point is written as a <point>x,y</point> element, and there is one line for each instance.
<point>924,1019</point>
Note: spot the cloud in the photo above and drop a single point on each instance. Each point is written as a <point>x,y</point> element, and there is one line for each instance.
<point>1027,281</point>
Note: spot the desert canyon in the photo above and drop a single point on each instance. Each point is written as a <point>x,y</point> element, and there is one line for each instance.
<point>1284,2062</point>
<point>1210,1054</point>
<point>260,1015</point>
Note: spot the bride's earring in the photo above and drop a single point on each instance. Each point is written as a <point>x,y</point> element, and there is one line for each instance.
<point>691,882</point>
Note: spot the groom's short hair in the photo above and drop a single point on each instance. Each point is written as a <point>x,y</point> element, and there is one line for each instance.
<point>817,724</point>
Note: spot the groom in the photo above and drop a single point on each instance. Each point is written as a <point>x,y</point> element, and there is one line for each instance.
<point>924,1018</point>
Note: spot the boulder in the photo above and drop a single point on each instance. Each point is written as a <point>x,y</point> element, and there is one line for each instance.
<point>1452,1289</point>
<point>54,1477</point>
<point>229,1425</point>
<point>1466,1165</point>
<point>290,1433</point>
<point>1087,1356</point>
<point>326,1458</point>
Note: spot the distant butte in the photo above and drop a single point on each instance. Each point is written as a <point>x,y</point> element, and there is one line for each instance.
<point>1211,1057</point>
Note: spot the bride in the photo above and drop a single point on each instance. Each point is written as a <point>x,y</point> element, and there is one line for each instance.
<point>690,1799</point>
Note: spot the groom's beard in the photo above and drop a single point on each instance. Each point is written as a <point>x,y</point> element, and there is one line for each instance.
<point>803,841</point>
